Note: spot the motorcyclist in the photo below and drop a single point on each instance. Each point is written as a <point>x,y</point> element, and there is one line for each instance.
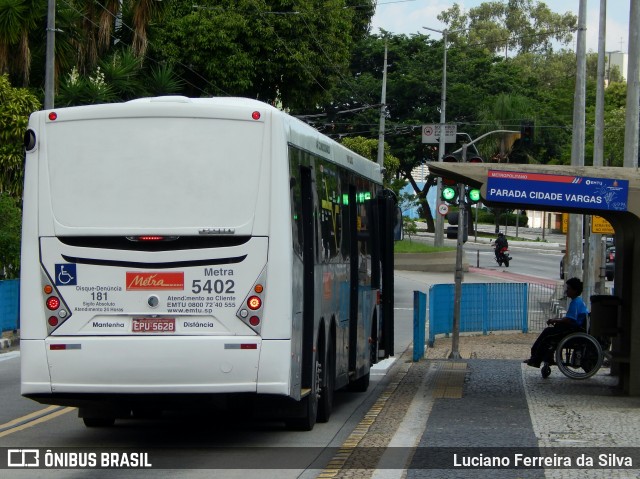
<point>500,243</point>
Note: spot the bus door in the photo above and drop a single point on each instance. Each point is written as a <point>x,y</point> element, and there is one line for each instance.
<point>354,265</point>
<point>387,217</point>
<point>308,259</point>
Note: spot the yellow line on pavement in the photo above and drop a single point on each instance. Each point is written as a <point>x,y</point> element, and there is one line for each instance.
<point>40,416</point>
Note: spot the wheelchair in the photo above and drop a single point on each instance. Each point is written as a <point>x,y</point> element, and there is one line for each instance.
<point>578,355</point>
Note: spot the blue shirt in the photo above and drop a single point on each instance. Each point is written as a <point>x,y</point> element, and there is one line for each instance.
<point>577,312</point>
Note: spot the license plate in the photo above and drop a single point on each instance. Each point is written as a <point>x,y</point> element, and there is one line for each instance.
<point>154,325</point>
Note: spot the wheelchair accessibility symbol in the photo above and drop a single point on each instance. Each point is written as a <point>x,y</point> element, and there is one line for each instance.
<point>66,275</point>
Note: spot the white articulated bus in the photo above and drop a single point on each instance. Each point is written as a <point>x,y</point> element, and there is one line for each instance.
<point>199,251</point>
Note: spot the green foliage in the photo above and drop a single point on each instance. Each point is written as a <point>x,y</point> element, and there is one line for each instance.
<point>119,77</point>
<point>272,50</point>
<point>406,246</point>
<point>409,227</point>
<point>368,147</point>
<point>9,237</point>
<point>504,217</point>
<point>16,104</point>
<point>518,25</point>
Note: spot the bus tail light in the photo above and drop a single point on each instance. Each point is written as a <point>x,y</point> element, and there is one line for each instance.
<point>252,308</point>
<point>53,303</point>
<point>254,303</point>
<point>58,310</point>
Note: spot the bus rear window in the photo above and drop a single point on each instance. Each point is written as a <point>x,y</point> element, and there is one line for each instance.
<point>154,173</point>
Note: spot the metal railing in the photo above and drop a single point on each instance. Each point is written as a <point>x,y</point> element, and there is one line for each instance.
<point>487,307</point>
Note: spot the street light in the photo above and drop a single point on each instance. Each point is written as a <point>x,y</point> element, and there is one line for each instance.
<point>439,234</point>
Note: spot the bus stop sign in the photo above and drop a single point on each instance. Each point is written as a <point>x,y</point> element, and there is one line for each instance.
<point>557,190</point>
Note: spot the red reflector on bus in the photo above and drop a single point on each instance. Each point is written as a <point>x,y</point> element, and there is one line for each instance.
<point>53,321</point>
<point>249,346</point>
<point>254,321</point>
<point>255,115</point>
<point>64,347</point>
<point>53,115</point>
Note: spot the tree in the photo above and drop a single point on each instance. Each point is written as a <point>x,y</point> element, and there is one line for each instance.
<point>16,104</point>
<point>18,19</point>
<point>502,112</point>
<point>278,52</point>
<point>522,26</point>
<point>368,147</point>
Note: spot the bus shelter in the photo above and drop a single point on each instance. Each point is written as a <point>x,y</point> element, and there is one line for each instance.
<point>612,193</point>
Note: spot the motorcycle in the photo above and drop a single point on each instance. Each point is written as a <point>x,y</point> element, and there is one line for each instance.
<point>502,256</point>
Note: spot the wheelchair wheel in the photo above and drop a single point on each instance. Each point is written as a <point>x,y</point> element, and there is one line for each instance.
<point>579,356</point>
<point>545,371</point>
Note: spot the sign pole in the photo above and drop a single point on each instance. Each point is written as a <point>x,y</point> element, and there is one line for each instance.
<point>457,299</point>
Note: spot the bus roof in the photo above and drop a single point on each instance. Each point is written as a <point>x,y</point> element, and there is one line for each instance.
<point>298,133</point>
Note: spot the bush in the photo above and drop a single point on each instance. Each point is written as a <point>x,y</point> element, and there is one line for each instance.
<point>9,238</point>
<point>488,217</point>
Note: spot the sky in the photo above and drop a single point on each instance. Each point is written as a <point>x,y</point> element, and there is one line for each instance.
<point>409,16</point>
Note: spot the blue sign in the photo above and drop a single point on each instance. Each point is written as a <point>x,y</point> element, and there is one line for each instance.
<point>66,274</point>
<point>557,190</point>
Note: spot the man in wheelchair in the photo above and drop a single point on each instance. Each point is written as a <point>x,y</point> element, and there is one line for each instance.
<point>574,321</point>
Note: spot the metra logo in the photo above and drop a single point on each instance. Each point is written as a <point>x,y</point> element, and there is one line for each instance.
<point>173,281</point>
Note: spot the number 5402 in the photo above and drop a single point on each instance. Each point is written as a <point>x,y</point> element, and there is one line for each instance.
<point>217,286</point>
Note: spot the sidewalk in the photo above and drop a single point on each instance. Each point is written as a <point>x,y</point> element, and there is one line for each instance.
<point>489,404</point>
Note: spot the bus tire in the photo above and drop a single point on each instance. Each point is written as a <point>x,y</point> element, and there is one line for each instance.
<point>308,407</point>
<point>99,421</point>
<point>328,382</point>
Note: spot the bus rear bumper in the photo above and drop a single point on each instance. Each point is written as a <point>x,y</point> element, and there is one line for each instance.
<point>153,365</point>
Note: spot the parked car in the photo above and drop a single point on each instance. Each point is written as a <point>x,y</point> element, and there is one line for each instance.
<point>610,264</point>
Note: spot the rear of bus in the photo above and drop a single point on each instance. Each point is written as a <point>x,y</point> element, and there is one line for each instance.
<point>144,256</point>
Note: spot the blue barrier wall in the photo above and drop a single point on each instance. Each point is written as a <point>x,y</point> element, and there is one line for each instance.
<point>9,304</point>
<point>484,307</point>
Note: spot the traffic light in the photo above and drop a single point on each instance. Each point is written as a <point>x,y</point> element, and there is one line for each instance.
<point>526,132</point>
<point>473,195</point>
<point>449,194</point>
<point>475,159</point>
<point>446,181</point>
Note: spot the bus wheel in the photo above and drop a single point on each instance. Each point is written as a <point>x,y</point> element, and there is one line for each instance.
<point>99,421</point>
<point>327,380</point>
<point>308,406</point>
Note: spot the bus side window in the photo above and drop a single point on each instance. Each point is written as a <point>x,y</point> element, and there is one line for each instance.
<point>295,191</point>
<point>329,197</point>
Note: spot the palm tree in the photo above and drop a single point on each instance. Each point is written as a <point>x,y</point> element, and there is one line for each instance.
<point>18,18</point>
<point>504,112</point>
<point>142,12</point>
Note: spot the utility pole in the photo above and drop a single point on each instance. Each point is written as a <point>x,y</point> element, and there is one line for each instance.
<point>633,89</point>
<point>49,73</point>
<point>594,277</point>
<point>574,247</point>
<point>438,239</point>
<point>383,111</point>
<point>459,274</point>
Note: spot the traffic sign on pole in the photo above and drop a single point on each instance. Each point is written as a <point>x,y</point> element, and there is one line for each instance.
<point>431,133</point>
<point>443,209</point>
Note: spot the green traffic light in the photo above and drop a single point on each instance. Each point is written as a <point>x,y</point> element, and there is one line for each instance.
<point>474,195</point>
<point>449,193</point>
